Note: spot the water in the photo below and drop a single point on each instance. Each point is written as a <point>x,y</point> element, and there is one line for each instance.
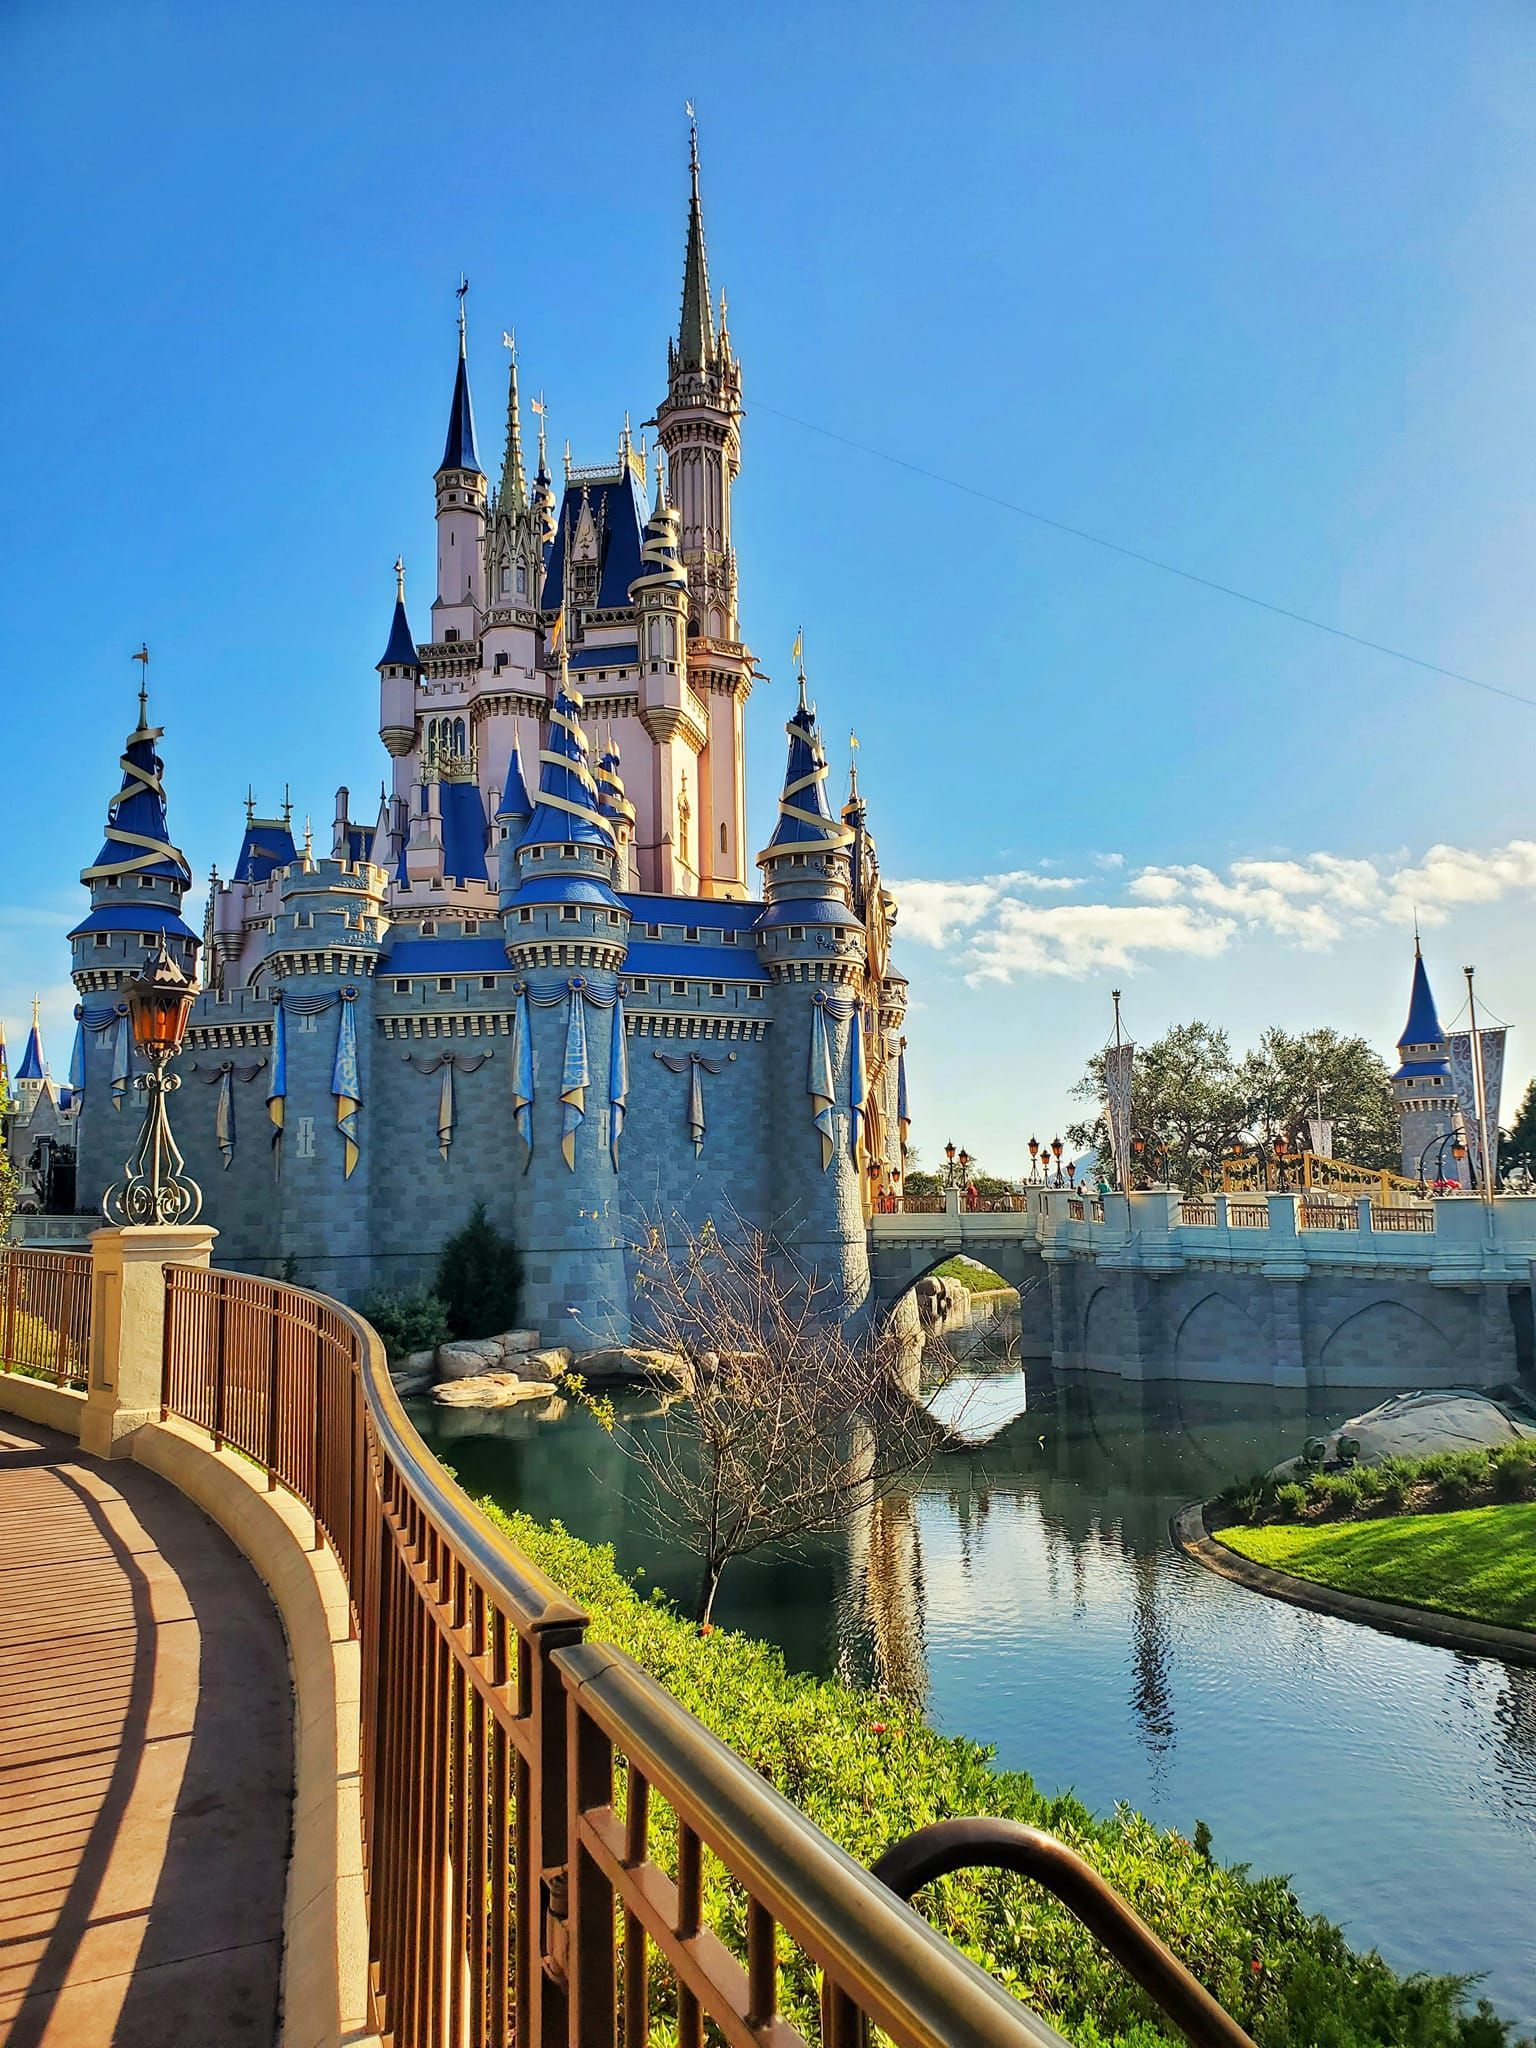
<point>1029,1596</point>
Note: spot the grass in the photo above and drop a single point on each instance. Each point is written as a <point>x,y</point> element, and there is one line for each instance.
<point>973,1274</point>
<point>1479,1562</point>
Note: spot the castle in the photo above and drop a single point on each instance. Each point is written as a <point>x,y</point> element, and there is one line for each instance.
<point>539,977</point>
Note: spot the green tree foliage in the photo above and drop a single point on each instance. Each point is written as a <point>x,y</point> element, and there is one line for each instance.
<point>7,1172</point>
<point>479,1279</point>
<point>1192,1100</point>
<point>1519,1145</point>
<point>867,1769</point>
<point>407,1319</point>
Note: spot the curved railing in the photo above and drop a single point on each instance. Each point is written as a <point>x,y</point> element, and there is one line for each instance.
<point>511,1768</point>
<point>45,1313</point>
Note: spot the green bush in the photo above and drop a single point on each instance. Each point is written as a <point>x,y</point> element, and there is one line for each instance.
<point>1290,1499</point>
<point>867,1769</point>
<point>480,1279</point>
<point>1453,1489</point>
<point>1514,1472</point>
<point>1394,1490</point>
<point>407,1319</point>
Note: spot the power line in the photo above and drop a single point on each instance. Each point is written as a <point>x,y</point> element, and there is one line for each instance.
<point>1147,561</point>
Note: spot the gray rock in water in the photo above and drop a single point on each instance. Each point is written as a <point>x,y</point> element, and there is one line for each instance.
<point>626,1365</point>
<point>471,1355</point>
<point>541,1365</point>
<point>513,1342</point>
<point>489,1390</point>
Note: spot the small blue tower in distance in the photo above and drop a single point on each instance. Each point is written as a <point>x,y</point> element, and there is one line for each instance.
<point>1426,1099</point>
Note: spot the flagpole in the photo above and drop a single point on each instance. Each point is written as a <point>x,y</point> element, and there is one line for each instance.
<point>1480,1093</point>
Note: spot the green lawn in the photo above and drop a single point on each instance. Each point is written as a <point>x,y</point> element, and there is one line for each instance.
<point>1478,1561</point>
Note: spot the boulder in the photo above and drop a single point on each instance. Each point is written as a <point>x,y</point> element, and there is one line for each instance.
<point>471,1355</point>
<point>513,1342</point>
<point>543,1365</point>
<point>411,1379</point>
<point>626,1365</point>
<point>416,1362</point>
<point>489,1390</point>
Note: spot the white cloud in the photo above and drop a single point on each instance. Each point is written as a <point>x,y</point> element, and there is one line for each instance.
<point>1313,901</point>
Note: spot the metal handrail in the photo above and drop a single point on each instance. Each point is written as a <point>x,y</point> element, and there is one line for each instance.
<point>950,1845</point>
<point>45,1312</point>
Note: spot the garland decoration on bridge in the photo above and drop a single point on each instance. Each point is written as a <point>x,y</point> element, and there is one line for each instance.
<point>575,1069</point>
<point>450,1063</point>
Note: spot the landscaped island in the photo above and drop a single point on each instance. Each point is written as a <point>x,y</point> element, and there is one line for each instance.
<point>868,1769</point>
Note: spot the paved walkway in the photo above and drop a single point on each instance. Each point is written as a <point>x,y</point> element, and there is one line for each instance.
<point>145,1763</point>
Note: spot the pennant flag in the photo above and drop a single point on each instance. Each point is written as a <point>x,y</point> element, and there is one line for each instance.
<point>798,650</point>
<point>345,1085</point>
<point>224,1116</point>
<point>574,1077</point>
<point>618,1082</point>
<point>903,1114</point>
<point>277,1091</point>
<point>537,405</point>
<point>557,633</point>
<point>121,1061</point>
<point>819,1084</point>
<point>858,1087</point>
<point>695,1107</point>
<point>76,1059</point>
<point>445,1109</point>
<point>522,1073</point>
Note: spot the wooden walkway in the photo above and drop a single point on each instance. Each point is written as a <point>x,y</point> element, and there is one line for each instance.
<point>145,1763</point>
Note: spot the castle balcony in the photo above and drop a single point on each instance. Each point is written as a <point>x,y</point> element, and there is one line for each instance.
<point>377,1875</point>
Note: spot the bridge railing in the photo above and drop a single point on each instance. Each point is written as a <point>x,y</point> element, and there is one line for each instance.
<point>537,1810</point>
<point>45,1313</point>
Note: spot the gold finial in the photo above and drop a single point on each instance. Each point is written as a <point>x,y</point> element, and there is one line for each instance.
<point>400,579</point>
<point>567,459</point>
<point>853,767</point>
<point>143,657</point>
<point>37,1011</point>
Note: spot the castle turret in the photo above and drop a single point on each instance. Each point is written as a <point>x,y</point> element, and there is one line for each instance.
<point>812,947</point>
<point>460,514</point>
<point>1426,1098</point>
<point>613,800</point>
<point>566,936</point>
<point>513,812</point>
<point>137,882</point>
<point>31,1075</point>
<point>399,672</point>
<point>698,425</point>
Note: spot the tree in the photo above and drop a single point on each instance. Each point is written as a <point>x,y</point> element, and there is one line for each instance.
<point>1519,1143</point>
<point>479,1278</point>
<point>790,1422</point>
<point>8,1181</point>
<point>1285,1076</point>
<point>1186,1102</point>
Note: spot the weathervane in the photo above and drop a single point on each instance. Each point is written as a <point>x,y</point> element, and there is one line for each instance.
<point>143,656</point>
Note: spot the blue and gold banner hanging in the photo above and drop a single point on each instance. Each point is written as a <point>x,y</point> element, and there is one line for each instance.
<point>345,1085</point>
<point>618,1082</point>
<point>903,1113</point>
<point>277,1090</point>
<point>819,1084</point>
<point>450,1063</point>
<point>858,1086</point>
<point>575,1074</point>
<point>76,1058</point>
<point>522,1073</point>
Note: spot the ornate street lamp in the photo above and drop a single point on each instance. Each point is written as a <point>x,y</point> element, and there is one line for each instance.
<point>156,1190</point>
<point>1056,1154</point>
<point>1034,1157</point>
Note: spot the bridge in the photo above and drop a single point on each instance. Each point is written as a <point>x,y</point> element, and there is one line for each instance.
<point>1295,1290</point>
<point>499,1824</point>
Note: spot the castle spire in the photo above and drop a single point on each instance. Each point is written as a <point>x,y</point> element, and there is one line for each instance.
<point>805,817</point>
<point>138,839</point>
<point>34,1066</point>
<point>400,649</point>
<point>459,450</point>
<point>513,495</point>
<point>696,334</point>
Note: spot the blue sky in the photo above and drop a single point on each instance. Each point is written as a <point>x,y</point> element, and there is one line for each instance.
<point>1249,291</point>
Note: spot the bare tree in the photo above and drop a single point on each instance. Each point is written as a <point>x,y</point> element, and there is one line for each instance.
<point>793,1416</point>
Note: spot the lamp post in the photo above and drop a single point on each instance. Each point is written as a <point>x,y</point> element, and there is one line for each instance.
<point>1437,1146</point>
<point>1034,1159</point>
<point>156,1190</point>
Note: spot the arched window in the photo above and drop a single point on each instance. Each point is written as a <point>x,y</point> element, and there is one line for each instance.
<point>522,579</point>
<point>655,640</point>
<point>506,579</point>
<point>460,737</point>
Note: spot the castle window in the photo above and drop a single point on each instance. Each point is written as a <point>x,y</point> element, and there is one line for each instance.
<point>691,932</point>
<point>722,839</point>
<point>638,984</point>
<point>679,988</point>
<point>506,581</point>
<point>487,981</point>
<point>615,917</point>
<point>112,881</point>
<point>453,631</point>
<point>402,988</point>
<point>569,852</point>
<point>146,938</point>
<point>717,988</point>
<point>525,917</point>
<point>728,937</point>
<point>522,580</point>
<point>653,931</point>
<point>429,927</point>
<point>498,664</point>
<point>146,881</point>
<point>471,927</point>
<point>569,913</point>
<point>797,931</point>
<point>102,939</point>
<point>445,984</point>
<point>755,993</point>
<point>535,853</point>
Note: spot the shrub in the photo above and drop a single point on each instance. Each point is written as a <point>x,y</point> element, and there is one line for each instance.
<point>867,1769</point>
<point>1394,1490</point>
<point>1453,1489</point>
<point>1514,1472</point>
<point>479,1278</point>
<point>1290,1499</point>
<point>407,1319</point>
<point>1346,1493</point>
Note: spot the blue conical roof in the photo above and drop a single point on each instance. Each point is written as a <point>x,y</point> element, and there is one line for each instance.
<point>33,1066</point>
<point>1423,1026</point>
<point>805,818</point>
<point>459,450</point>
<point>138,838</point>
<point>515,800</point>
<point>613,798</point>
<point>400,652</point>
<point>567,809</point>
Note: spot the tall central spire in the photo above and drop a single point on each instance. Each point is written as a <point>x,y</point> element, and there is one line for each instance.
<point>513,495</point>
<point>459,450</point>
<point>696,335</point>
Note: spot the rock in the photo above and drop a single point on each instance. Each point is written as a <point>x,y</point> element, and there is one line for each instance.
<point>513,1342</point>
<point>489,1390</point>
<point>626,1365</point>
<point>543,1365</point>
<point>407,1383</point>
<point>467,1358</point>
<point>418,1361</point>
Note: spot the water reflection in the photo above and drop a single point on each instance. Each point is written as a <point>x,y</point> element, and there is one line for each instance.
<point>1027,1595</point>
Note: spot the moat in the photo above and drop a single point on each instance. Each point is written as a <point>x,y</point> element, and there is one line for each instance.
<point>1028,1593</point>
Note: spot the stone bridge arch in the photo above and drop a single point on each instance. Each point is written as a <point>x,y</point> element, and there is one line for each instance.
<point>1217,1339</point>
<point>897,1264</point>
<point>1387,1344</point>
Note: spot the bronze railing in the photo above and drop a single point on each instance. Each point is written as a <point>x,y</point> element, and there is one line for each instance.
<point>1200,1215</point>
<point>1395,1218</point>
<point>537,1810</point>
<point>45,1313</point>
<point>1247,1215</point>
<point>1327,1216</point>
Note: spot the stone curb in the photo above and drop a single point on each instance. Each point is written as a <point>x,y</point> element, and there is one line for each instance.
<point>1422,1624</point>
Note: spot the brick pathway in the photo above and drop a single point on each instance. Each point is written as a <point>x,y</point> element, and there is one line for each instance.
<point>145,1763</point>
